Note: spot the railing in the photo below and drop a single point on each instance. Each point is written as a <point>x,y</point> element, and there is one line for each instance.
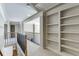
<point>10,38</point>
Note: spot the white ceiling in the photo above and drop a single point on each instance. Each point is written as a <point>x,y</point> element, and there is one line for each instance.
<point>20,11</point>
<point>17,12</point>
<point>46,6</point>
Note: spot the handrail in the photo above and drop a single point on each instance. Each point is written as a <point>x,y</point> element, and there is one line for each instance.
<point>9,39</point>
<point>1,53</point>
<point>23,45</point>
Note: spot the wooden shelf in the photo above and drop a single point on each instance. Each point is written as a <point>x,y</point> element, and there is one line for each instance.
<point>53,44</point>
<point>69,16</point>
<point>70,32</point>
<point>69,24</point>
<point>62,53</point>
<point>52,49</point>
<point>66,28</point>
<point>65,54</point>
<point>51,24</point>
<point>53,40</point>
<point>70,40</point>
<point>71,48</point>
<point>52,33</point>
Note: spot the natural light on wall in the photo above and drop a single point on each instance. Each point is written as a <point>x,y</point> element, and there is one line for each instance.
<point>1,28</point>
<point>2,13</point>
<point>33,26</point>
<point>28,25</point>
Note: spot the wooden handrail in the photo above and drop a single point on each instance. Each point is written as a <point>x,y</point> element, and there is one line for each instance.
<point>1,53</point>
<point>15,51</point>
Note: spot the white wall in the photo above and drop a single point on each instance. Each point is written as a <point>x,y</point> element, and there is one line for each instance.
<point>37,28</point>
<point>1,34</point>
<point>37,33</point>
<point>17,26</point>
<point>28,27</point>
<point>1,31</point>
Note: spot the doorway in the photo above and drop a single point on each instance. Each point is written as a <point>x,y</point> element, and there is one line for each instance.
<point>12,31</point>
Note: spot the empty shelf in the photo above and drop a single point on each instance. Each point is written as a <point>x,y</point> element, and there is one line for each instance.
<point>68,24</point>
<point>52,49</point>
<point>71,48</point>
<point>52,33</point>
<point>69,16</point>
<point>53,40</point>
<point>51,24</point>
<point>65,54</point>
<point>70,40</point>
<point>70,32</point>
<point>62,53</point>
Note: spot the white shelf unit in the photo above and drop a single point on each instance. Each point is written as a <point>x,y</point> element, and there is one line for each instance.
<point>62,31</point>
<point>70,30</point>
<point>53,42</point>
<point>72,24</point>
<point>52,24</point>
<point>75,41</point>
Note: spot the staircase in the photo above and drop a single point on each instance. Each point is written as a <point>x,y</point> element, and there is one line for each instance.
<point>10,47</point>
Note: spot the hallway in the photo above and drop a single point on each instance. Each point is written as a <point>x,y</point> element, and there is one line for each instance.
<point>39,29</point>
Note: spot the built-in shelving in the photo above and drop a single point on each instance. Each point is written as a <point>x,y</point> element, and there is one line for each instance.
<point>69,29</point>
<point>63,31</point>
<point>71,48</point>
<point>52,32</point>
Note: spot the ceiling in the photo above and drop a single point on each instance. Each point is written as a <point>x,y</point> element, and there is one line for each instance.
<point>20,11</point>
<point>46,6</point>
<point>17,12</point>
